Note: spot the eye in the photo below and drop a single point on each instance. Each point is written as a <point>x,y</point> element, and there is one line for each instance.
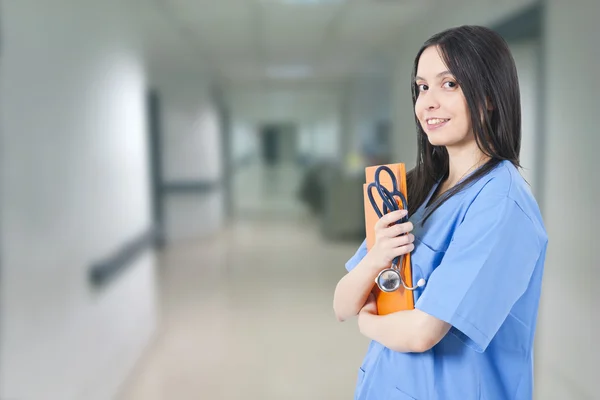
<point>450,84</point>
<point>422,87</point>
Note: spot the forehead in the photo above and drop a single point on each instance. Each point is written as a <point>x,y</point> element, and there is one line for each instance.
<point>430,63</point>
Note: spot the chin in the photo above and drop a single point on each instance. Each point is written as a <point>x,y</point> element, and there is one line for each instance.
<point>447,138</point>
<point>436,140</point>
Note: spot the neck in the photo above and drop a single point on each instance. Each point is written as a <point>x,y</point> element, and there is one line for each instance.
<point>463,161</point>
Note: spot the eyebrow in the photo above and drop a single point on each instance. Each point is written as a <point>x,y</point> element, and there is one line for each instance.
<point>437,76</point>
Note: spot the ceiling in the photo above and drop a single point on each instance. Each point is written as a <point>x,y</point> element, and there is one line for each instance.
<point>250,41</point>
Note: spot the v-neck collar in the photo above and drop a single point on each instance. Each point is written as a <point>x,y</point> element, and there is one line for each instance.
<point>437,185</point>
<point>433,190</point>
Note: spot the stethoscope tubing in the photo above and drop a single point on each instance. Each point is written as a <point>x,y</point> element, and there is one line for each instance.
<point>390,204</point>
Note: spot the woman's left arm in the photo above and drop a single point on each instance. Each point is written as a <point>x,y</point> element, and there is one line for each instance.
<point>485,270</point>
<point>412,331</point>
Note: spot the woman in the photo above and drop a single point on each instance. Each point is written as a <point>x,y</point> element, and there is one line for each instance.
<point>475,234</point>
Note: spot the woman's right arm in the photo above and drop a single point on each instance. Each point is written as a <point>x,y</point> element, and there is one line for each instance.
<point>391,241</point>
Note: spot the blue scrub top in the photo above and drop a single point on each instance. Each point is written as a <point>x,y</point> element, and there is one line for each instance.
<point>482,253</point>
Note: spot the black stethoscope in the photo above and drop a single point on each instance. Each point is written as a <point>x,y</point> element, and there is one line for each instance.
<point>390,279</point>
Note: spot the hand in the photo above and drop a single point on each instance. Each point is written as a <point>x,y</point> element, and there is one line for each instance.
<point>391,240</point>
<point>370,306</point>
<point>368,310</point>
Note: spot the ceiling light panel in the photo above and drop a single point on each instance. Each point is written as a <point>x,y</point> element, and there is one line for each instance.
<point>296,27</point>
<point>223,27</point>
<point>367,23</point>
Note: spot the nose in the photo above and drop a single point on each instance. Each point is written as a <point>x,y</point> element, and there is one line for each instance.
<point>431,102</point>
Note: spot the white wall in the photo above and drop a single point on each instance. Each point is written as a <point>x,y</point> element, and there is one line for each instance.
<point>74,189</point>
<point>526,54</point>
<point>191,152</point>
<point>320,139</point>
<point>565,349</point>
<point>244,142</point>
<point>370,103</point>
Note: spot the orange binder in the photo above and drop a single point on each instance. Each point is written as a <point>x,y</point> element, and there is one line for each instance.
<point>401,299</point>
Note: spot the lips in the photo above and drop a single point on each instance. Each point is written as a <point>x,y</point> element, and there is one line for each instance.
<point>435,123</point>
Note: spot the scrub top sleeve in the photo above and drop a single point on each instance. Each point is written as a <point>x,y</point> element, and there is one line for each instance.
<point>357,257</point>
<point>486,269</point>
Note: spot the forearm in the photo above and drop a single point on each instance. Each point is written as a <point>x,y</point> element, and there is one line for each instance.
<point>403,331</point>
<point>353,289</point>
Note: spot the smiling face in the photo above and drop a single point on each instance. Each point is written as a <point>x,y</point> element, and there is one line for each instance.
<point>441,107</point>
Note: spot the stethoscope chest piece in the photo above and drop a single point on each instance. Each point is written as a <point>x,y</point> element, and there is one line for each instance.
<point>388,280</point>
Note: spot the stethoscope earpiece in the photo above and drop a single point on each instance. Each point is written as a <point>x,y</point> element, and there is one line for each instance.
<point>420,283</point>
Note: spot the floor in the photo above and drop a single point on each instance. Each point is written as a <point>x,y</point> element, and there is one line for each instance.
<point>247,314</point>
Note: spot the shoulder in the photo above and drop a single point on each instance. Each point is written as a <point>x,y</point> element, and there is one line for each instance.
<point>500,181</point>
<point>504,190</point>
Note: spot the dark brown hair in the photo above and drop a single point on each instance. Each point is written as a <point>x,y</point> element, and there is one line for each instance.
<point>484,68</point>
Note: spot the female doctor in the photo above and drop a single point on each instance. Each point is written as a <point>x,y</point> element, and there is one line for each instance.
<point>475,235</point>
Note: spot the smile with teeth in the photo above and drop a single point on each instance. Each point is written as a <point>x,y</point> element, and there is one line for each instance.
<point>436,121</point>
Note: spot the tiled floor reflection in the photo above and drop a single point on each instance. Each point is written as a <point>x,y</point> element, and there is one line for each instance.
<point>248,315</point>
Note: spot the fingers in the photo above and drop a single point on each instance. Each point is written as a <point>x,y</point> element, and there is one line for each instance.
<point>402,240</point>
<point>399,246</point>
<point>390,218</point>
<point>402,250</point>
<point>399,229</point>
<point>371,298</point>
<point>370,304</point>
<point>392,239</point>
<point>394,230</point>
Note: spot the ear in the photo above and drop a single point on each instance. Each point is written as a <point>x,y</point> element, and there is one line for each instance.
<point>488,104</point>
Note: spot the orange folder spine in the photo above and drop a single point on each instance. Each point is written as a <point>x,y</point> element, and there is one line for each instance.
<point>401,299</point>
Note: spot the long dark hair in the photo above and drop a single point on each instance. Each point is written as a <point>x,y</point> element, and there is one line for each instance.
<point>481,62</point>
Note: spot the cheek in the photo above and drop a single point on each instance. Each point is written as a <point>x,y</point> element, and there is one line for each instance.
<point>465,117</point>
<point>418,108</point>
<point>460,108</point>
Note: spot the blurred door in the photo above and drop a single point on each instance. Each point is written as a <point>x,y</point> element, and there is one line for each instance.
<point>270,145</point>
<point>153,107</point>
<point>279,143</point>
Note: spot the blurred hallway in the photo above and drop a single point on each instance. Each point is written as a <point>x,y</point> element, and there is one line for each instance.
<point>248,314</point>
<point>129,125</point>
<point>271,192</point>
